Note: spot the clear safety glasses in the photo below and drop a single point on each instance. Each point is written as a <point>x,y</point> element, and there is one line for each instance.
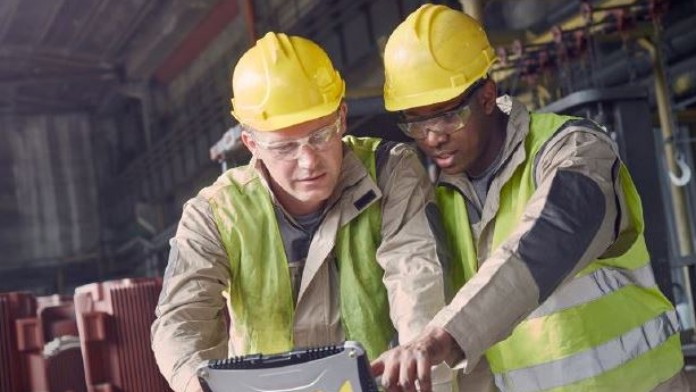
<point>445,123</point>
<point>288,150</point>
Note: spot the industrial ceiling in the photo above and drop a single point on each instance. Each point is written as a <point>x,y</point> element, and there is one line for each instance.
<point>149,80</point>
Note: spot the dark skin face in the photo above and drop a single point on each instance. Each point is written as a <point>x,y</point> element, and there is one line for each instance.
<point>475,147</point>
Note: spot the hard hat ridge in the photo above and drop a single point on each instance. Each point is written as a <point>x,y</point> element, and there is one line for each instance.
<point>434,55</point>
<point>283,81</point>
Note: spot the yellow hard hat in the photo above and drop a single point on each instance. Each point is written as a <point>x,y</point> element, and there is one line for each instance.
<point>283,81</point>
<point>434,56</point>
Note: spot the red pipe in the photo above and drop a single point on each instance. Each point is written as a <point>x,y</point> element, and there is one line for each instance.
<point>250,21</point>
<point>197,41</point>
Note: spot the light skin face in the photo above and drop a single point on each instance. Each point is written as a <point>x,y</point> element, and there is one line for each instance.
<point>302,185</point>
<point>474,148</point>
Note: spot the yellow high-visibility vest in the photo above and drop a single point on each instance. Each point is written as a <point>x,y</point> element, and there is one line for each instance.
<point>608,329</point>
<point>260,295</point>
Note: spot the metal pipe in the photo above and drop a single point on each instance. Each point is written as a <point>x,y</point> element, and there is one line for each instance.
<point>146,110</point>
<point>473,8</point>
<point>667,127</point>
<point>250,16</point>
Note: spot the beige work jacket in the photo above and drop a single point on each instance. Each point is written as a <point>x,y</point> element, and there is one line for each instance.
<point>190,325</point>
<point>504,292</point>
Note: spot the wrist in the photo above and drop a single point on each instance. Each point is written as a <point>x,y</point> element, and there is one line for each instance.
<point>445,345</point>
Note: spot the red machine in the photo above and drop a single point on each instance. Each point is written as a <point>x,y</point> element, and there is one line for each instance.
<point>50,347</point>
<point>114,321</point>
<point>13,306</point>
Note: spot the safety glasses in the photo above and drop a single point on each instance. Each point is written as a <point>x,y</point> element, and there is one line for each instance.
<point>445,123</point>
<point>288,150</point>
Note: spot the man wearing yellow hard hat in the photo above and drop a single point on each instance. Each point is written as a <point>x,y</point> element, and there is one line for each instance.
<point>555,288</point>
<point>319,239</point>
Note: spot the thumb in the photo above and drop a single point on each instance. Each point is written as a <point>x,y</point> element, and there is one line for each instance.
<point>377,367</point>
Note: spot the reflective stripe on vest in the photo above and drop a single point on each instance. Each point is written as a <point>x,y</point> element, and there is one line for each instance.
<point>592,362</point>
<point>611,300</point>
<point>260,297</point>
<point>590,287</point>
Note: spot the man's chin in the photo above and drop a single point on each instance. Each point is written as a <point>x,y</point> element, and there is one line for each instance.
<point>452,169</point>
<point>312,196</point>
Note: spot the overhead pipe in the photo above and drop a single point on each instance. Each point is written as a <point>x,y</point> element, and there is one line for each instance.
<point>667,127</point>
<point>666,119</point>
<point>197,41</point>
<point>614,69</point>
<point>473,8</point>
<point>250,18</point>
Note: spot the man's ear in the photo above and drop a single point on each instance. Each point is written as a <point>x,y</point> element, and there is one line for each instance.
<point>343,112</point>
<point>249,142</point>
<point>488,93</point>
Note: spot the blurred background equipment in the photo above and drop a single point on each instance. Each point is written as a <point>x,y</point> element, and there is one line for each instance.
<point>114,319</point>
<point>98,340</point>
<point>229,150</point>
<point>13,306</point>
<point>49,347</point>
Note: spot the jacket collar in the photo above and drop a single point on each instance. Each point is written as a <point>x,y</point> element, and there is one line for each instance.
<point>355,192</point>
<point>514,155</point>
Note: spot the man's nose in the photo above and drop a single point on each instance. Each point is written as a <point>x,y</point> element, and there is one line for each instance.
<point>307,157</point>
<point>434,138</point>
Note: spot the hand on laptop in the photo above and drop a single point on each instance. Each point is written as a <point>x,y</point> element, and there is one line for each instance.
<point>408,367</point>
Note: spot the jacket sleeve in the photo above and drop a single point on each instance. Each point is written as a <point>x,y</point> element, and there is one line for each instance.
<point>190,325</point>
<point>409,251</point>
<point>572,218</point>
<point>413,251</point>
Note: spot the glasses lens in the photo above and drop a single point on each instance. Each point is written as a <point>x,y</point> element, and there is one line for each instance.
<point>405,128</point>
<point>289,150</point>
<point>284,151</point>
<point>320,139</point>
<point>446,123</point>
<point>463,113</point>
<point>419,130</point>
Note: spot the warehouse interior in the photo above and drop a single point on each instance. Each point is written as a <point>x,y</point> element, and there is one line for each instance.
<point>113,113</point>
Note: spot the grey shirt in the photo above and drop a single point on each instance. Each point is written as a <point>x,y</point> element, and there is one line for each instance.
<point>297,233</point>
<point>481,184</point>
